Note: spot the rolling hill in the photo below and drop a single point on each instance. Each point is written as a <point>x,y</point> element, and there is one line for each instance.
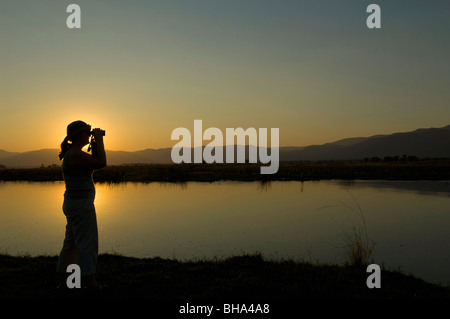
<point>422,143</point>
<point>432,143</point>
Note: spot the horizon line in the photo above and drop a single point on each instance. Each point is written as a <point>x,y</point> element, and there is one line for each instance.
<point>375,135</point>
<point>156,149</point>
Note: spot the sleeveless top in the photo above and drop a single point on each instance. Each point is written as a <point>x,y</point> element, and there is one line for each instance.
<point>78,179</point>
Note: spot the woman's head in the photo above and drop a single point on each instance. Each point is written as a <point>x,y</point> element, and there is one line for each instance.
<point>77,132</point>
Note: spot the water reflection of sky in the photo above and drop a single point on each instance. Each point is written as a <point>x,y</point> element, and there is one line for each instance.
<point>308,221</point>
<point>420,187</point>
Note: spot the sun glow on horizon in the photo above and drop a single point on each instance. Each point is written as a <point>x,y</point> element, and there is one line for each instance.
<point>316,72</point>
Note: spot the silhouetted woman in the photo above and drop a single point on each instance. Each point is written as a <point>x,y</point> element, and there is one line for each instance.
<point>81,239</point>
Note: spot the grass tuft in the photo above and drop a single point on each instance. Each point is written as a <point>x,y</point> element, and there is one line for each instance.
<point>359,246</point>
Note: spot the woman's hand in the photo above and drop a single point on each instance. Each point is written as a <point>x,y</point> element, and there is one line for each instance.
<point>97,133</point>
<point>78,157</point>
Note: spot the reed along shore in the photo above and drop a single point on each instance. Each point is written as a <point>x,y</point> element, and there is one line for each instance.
<point>288,171</point>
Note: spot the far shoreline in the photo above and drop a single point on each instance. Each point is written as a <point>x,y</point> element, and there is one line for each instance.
<point>438,169</point>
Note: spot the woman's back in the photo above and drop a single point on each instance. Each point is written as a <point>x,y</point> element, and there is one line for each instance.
<point>78,179</point>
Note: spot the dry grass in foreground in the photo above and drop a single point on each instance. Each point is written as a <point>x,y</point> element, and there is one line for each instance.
<point>240,277</point>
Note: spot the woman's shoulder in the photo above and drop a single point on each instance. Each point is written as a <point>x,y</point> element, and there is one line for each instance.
<point>78,157</point>
<point>77,153</point>
<point>73,154</point>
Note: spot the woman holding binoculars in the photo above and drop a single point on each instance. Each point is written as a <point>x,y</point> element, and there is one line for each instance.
<point>81,237</point>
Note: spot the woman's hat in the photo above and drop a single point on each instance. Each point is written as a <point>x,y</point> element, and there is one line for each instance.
<point>75,128</point>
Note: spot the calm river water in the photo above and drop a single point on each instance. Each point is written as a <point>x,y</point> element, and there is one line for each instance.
<point>409,221</point>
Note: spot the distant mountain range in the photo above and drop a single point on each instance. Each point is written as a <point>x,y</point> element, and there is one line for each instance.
<point>421,143</point>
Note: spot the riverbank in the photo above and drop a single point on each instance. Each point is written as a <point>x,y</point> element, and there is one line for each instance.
<point>236,278</point>
<point>298,171</point>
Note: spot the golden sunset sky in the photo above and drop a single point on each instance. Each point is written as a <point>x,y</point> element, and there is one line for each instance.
<point>140,69</point>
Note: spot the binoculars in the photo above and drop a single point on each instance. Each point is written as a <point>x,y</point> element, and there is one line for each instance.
<point>102,131</point>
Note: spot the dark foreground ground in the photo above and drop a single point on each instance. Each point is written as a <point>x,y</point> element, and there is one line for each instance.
<point>246,277</point>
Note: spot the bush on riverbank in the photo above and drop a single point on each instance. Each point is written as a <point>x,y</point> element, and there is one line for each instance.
<point>299,171</point>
